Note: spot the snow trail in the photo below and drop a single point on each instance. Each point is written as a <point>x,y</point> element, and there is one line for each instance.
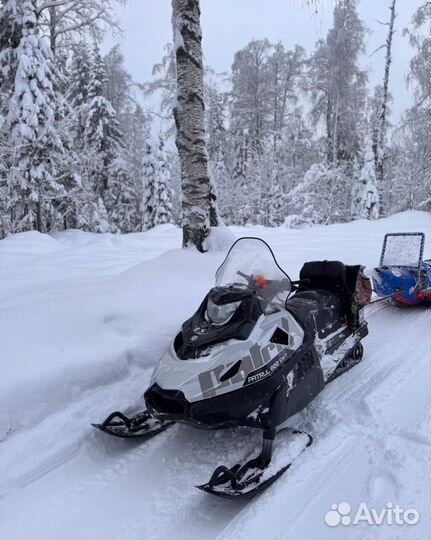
<point>81,338</point>
<point>101,487</point>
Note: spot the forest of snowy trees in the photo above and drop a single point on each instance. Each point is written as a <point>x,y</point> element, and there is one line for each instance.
<point>292,136</point>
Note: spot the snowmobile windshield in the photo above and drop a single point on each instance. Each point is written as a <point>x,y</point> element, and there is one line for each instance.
<point>251,264</point>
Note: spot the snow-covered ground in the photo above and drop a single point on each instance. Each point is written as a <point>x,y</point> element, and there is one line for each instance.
<point>84,317</point>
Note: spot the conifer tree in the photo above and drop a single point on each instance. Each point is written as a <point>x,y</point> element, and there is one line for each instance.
<point>34,184</point>
<point>163,212</point>
<point>102,136</point>
<point>149,188</point>
<point>365,197</point>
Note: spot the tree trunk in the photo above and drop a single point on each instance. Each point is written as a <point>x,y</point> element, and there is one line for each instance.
<point>198,201</point>
<point>53,28</point>
<point>382,126</point>
<point>329,146</point>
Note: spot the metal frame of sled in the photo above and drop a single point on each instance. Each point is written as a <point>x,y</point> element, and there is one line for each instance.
<point>402,274</point>
<point>421,250</point>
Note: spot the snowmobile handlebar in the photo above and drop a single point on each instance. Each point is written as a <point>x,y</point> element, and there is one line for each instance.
<point>253,280</point>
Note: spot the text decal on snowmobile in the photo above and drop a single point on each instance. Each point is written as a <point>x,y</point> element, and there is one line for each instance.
<point>255,366</point>
<point>269,368</point>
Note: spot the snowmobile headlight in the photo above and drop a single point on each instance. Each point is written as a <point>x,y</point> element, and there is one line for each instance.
<point>221,314</point>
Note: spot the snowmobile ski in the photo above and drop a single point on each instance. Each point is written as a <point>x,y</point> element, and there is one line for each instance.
<point>139,425</point>
<point>248,478</point>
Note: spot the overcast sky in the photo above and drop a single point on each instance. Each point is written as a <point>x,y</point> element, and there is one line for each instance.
<point>228,25</point>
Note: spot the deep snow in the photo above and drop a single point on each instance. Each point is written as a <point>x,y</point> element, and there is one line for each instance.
<point>84,317</point>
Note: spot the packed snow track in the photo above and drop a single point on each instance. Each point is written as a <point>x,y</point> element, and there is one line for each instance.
<point>83,319</point>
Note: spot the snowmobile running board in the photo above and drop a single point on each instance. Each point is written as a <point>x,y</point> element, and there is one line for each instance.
<point>139,425</point>
<point>248,478</point>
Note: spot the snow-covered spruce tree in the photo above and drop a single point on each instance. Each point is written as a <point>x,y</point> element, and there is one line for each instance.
<point>215,122</point>
<point>10,36</point>
<point>92,215</point>
<point>103,144</point>
<point>11,13</point>
<point>86,208</point>
<point>34,183</point>
<point>156,204</point>
<point>78,89</point>
<point>216,140</point>
<point>163,211</point>
<point>316,200</point>
<point>120,197</point>
<point>135,138</point>
<point>237,208</point>
<point>365,195</point>
<point>101,133</point>
<point>275,202</point>
<point>149,178</point>
<point>118,87</point>
<point>198,197</point>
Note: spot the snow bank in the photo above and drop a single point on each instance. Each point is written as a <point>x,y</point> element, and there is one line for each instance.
<point>57,348</point>
<point>220,239</point>
<point>29,243</point>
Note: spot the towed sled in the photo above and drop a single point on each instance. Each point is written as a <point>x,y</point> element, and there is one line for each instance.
<point>402,273</point>
<point>254,355</point>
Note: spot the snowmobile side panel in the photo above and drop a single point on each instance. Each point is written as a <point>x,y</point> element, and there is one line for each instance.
<point>205,377</point>
<point>299,374</point>
<point>308,382</point>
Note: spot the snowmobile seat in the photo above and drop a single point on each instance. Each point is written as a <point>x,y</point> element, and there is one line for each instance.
<point>329,275</point>
<point>336,278</point>
<point>318,311</point>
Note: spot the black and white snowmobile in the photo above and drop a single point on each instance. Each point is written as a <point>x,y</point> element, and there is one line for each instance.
<point>253,356</point>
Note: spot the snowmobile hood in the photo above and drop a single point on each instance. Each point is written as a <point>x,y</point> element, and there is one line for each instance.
<point>233,364</point>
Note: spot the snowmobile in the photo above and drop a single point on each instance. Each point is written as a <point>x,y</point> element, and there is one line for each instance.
<point>402,273</point>
<point>254,355</point>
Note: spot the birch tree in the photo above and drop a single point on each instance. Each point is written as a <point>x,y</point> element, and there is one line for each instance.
<point>198,196</point>
<point>64,21</point>
<point>337,84</point>
<point>380,143</point>
<point>414,155</point>
<point>164,85</point>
